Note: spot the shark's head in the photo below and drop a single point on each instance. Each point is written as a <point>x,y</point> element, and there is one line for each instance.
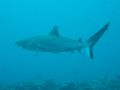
<point>31,44</point>
<point>24,44</point>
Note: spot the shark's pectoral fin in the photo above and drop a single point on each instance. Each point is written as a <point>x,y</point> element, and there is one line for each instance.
<point>54,31</point>
<point>36,54</point>
<point>80,40</point>
<point>79,51</point>
<point>72,51</point>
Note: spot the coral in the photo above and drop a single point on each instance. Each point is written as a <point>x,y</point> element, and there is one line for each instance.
<point>49,85</point>
<point>105,84</point>
<point>69,86</point>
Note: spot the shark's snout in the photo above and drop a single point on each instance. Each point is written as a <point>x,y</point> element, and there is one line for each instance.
<point>17,43</point>
<point>23,44</point>
<point>20,43</point>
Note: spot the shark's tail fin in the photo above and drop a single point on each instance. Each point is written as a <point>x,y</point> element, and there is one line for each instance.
<point>92,40</point>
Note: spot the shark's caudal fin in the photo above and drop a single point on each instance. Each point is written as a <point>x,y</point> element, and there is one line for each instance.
<point>92,40</point>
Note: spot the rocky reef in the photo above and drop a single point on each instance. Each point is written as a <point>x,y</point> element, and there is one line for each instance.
<point>104,84</point>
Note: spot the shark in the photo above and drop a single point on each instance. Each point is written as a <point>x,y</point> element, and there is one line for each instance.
<point>55,43</point>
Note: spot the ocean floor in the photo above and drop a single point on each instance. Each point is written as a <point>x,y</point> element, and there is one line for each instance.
<point>38,84</point>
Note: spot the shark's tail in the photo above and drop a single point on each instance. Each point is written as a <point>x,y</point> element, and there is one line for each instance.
<point>93,39</point>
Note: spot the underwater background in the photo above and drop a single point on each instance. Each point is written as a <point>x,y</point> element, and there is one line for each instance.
<point>20,19</point>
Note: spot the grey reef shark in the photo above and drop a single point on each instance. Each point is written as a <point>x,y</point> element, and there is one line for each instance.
<point>55,43</point>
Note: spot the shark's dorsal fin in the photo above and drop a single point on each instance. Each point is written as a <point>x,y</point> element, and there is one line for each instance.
<point>54,31</point>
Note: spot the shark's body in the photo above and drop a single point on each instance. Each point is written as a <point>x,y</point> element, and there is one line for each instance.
<point>55,43</point>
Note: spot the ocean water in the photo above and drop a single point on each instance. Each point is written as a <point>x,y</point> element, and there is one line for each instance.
<point>20,19</point>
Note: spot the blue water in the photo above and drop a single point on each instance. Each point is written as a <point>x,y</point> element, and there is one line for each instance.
<point>20,19</point>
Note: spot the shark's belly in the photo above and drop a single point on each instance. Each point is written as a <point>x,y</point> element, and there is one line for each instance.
<point>58,46</point>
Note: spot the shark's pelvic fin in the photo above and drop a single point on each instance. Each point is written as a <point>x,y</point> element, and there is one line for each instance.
<point>92,40</point>
<point>54,31</point>
<point>80,40</point>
